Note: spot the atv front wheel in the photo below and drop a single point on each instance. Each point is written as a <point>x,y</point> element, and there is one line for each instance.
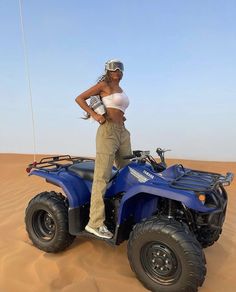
<point>46,219</point>
<point>165,257</point>
<point>208,236</point>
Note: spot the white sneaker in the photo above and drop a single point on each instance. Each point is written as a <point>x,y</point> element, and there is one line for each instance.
<point>101,231</point>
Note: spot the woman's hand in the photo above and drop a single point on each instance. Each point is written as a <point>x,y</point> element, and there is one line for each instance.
<point>99,118</point>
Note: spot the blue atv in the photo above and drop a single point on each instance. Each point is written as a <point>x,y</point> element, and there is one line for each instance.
<point>167,214</point>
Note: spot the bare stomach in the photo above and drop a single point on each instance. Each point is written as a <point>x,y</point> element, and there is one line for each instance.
<point>115,116</point>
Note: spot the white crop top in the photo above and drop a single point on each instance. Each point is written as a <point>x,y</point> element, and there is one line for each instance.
<point>117,100</point>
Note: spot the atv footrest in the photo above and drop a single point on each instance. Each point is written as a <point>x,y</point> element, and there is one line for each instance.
<point>90,235</point>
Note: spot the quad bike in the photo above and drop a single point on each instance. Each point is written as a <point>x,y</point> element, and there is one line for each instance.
<point>167,214</point>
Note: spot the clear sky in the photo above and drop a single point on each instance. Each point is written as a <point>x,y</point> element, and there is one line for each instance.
<point>180,74</point>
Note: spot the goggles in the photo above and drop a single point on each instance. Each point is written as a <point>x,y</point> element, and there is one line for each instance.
<point>114,65</point>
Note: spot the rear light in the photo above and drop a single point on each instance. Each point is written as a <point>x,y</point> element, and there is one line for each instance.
<point>32,165</point>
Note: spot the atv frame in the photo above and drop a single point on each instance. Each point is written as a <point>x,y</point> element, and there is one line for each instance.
<point>146,203</point>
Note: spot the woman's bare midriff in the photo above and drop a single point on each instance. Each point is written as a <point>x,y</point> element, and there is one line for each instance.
<point>115,116</point>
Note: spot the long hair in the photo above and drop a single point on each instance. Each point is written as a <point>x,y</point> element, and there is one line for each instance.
<point>104,77</point>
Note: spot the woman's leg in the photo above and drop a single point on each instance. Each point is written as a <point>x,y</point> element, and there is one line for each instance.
<point>102,174</point>
<point>106,146</point>
<point>124,149</point>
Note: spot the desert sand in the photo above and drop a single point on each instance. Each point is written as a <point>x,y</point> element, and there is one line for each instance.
<point>89,265</point>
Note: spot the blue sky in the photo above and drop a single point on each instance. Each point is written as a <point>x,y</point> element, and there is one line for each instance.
<point>180,71</point>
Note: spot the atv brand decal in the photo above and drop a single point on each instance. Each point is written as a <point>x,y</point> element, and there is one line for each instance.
<point>141,178</point>
<point>148,174</point>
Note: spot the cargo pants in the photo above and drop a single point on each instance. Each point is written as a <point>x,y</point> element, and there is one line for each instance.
<point>112,143</point>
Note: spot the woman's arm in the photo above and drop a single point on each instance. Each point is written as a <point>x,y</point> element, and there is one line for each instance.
<point>81,100</point>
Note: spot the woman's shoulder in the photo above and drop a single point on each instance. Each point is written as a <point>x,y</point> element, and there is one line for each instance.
<point>103,84</point>
<point>100,86</point>
<point>105,87</point>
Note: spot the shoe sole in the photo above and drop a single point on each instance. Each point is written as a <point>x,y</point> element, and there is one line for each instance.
<point>91,230</point>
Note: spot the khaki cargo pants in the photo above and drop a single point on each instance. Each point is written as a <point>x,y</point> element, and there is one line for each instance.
<point>112,143</point>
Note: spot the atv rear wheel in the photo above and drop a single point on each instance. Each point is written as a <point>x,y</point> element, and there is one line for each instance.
<point>46,220</point>
<point>165,257</point>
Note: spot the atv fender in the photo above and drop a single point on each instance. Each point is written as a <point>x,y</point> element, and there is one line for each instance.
<point>142,200</point>
<point>73,186</point>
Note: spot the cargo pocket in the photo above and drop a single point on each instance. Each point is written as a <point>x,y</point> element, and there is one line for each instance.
<point>105,140</point>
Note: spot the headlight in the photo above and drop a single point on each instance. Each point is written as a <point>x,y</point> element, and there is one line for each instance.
<point>201,197</point>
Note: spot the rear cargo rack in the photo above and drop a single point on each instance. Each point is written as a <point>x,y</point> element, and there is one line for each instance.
<point>197,180</point>
<point>54,163</point>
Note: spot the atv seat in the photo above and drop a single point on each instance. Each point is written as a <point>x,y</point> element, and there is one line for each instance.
<point>85,170</point>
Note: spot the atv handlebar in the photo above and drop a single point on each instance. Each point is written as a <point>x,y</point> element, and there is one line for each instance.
<point>161,151</point>
<point>144,156</point>
<point>138,154</point>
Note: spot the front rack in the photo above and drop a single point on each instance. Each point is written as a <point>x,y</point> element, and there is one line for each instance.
<point>54,163</point>
<point>199,181</point>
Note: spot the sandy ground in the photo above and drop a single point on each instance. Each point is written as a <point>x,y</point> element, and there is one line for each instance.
<point>89,265</point>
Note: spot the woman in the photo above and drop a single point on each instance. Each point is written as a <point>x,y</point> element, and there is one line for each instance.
<point>112,140</point>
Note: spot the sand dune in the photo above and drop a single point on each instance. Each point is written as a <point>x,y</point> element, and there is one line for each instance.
<point>88,265</point>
